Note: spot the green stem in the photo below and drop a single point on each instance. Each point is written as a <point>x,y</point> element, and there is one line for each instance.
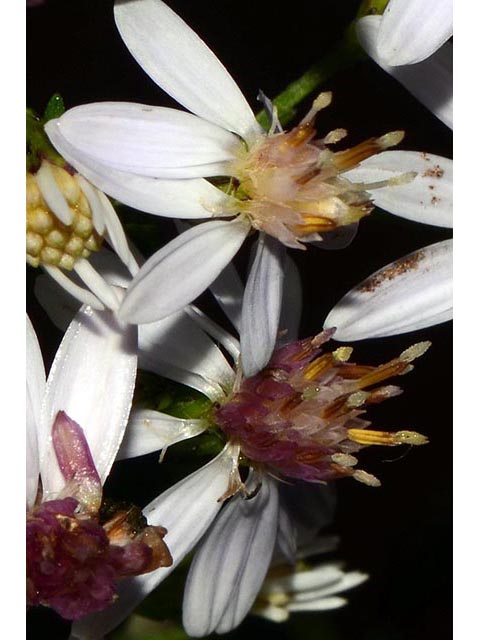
<point>344,54</point>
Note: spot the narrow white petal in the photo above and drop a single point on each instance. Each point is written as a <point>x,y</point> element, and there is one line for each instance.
<point>271,612</point>
<point>411,31</point>
<point>411,293</point>
<point>116,235</point>
<point>430,81</point>
<point>148,141</point>
<point>98,215</point>
<point>286,535</point>
<point>171,198</point>
<point>214,330</point>
<point>235,555</point>
<point>81,294</point>
<point>92,380</point>
<point>428,198</point>
<point>339,238</point>
<point>35,391</point>
<point>261,305</point>
<point>228,292</point>
<point>291,311</point>
<point>319,604</point>
<point>149,431</point>
<point>94,281</point>
<point>186,511</point>
<point>52,194</point>
<point>182,270</point>
<point>323,576</point>
<point>182,65</point>
<point>312,586</point>
<point>178,340</point>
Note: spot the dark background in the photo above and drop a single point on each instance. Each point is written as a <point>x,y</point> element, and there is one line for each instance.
<point>401,533</point>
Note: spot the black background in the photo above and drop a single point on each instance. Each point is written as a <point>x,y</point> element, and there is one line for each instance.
<point>401,533</point>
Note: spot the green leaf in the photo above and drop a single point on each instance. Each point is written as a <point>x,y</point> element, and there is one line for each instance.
<point>54,109</point>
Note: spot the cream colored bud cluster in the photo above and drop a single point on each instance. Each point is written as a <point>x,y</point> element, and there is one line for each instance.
<point>49,241</point>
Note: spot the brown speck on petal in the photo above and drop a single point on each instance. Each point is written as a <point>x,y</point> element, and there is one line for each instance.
<point>408,263</point>
<point>435,172</point>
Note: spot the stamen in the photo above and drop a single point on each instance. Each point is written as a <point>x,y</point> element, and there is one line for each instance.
<point>318,366</point>
<point>344,459</point>
<point>347,159</point>
<point>342,354</point>
<point>366,478</point>
<point>335,136</point>
<point>323,100</point>
<point>386,438</point>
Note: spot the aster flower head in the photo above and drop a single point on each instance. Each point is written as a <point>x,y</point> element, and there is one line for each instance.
<point>290,186</point>
<point>68,218</point>
<point>233,509</point>
<point>77,549</point>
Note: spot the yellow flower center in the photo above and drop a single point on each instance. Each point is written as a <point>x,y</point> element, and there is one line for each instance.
<point>50,241</point>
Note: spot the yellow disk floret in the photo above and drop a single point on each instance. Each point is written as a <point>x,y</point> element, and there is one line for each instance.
<point>50,241</point>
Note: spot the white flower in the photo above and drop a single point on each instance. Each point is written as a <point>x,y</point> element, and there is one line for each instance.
<point>302,586</point>
<point>156,160</point>
<point>73,561</point>
<point>409,41</point>
<point>237,543</point>
<point>67,219</point>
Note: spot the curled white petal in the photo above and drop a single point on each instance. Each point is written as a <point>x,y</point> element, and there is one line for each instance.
<point>235,555</point>
<point>261,305</point>
<point>182,270</point>
<point>428,198</point>
<point>228,291</point>
<point>149,431</point>
<point>430,81</point>
<point>194,198</point>
<point>410,30</point>
<point>408,294</point>
<point>186,510</point>
<point>182,64</point>
<point>92,380</point>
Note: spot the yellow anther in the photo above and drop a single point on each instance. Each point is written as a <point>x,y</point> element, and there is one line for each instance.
<point>344,459</point>
<point>357,399</point>
<point>390,139</point>
<point>386,438</point>
<point>415,351</point>
<point>342,354</point>
<point>366,478</point>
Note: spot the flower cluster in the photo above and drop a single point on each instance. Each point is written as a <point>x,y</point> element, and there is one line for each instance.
<point>284,416</point>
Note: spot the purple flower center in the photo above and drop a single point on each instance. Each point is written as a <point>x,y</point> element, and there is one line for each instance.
<point>301,415</point>
<point>71,564</point>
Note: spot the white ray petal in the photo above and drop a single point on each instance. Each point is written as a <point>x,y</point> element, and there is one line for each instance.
<point>428,198</point>
<point>82,295</point>
<point>182,270</point>
<point>98,215</point>
<point>291,311</point>
<point>319,604</point>
<point>411,31</point>
<point>101,288</point>
<point>286,536</point>
<point>186,510</point>
<point>235,555</point>
<point>228,291</point>
<point>35,391</point>
<point>408,294</point>
<point>182,65</point>
<point>147,140</point>
<point>92,380</point>
<point>116,235</point>
<point>310,587</point>
<point>177,340</point>
<point>430,81</point>
<point>261,305</point>
<point>149,431</point>
<point>52,194</point>
<point>194,198</point>
<point>214,330</point>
